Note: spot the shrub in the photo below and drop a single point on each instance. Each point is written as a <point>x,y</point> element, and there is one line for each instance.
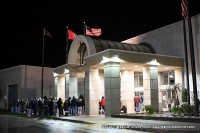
<point>175,110</point>
<point>149,109</point>
<point>188,110</point>
<point>184,108</point>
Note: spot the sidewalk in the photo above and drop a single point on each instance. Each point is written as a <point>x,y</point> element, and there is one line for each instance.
<point>163,117</point>
<point>145,123</point>
<point>141,116</point>
<point>158,123</point>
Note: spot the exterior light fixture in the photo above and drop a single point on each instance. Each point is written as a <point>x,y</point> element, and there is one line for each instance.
<point>66,71</point>
<point>55,74</point>
<point>153,62</point>
<point>115,58</point>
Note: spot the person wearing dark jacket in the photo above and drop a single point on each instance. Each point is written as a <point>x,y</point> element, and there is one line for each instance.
<point>51,107</point>
<point>45,105</point>
<point>66,107</point>
<point>74,105</point>
<point>69,106</point>
<point>59,104</point>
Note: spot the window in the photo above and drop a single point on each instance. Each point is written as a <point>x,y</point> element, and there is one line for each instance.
<point>167,77</point>
<point>138,80</point>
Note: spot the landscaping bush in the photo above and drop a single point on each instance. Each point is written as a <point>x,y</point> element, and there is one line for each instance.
<point>183,109</point>
<point>187,110</point>
<point>149,109</point>
<point>175,110</point>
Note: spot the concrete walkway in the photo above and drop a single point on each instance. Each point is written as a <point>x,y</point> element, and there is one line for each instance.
<point>162,123</point>
<point>136,124</point>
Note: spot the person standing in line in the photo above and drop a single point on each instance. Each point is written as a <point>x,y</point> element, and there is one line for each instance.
<point>59,104</point>
<point>137,103</point>
<point>80,106</point>
<point>69,106</point>
<point>45,106</point>
<point>73,105</point>
<point>40,106</point>
<point>103,104</point>
<point>55,106</point>
<point>51,106</point>
<point>65,107</point>
<point>28,106</point>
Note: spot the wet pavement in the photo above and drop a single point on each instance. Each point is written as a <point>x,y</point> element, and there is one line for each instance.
<point>15,124</point>
<point>100,123</point>
<point>138,124</point>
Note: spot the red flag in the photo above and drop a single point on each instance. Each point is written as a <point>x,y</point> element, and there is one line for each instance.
<point>184,8</point>
<point>93,31</point>
<point>71,35</point>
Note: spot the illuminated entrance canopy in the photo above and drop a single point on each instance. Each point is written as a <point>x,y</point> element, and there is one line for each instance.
<point>99,68</point>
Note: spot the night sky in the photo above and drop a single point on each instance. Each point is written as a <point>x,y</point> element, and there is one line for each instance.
<point>22,25</point>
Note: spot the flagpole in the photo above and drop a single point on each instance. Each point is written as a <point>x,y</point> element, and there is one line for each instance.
<point>84,28</point>
<point>42,63</point>
<point>81,44</point>
<point>67,45</point>
<point>186,60</point>
<point>196,102</point>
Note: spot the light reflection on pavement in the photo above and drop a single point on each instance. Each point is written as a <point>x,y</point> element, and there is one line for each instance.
<point>12,124</point>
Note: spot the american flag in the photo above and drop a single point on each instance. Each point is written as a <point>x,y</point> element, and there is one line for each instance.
<point>93,31</point>
<point>184,8</point>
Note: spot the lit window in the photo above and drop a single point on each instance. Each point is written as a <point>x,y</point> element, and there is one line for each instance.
<point>138,80</point>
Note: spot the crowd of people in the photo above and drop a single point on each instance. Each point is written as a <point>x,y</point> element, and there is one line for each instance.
<point>63,107</point>
<point>49,106</point>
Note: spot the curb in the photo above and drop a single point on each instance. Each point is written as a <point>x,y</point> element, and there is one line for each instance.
<point>178,119</point>
<point>70,120</point>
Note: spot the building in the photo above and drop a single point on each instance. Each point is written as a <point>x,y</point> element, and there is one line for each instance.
<point>146,65</point>
<point>169,40</point>
<point>23,82</point>
<point>107,68</point>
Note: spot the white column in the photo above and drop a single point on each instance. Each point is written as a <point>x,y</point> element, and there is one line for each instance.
<point>61,87</point>
<point>150,83</point>
<point>101,83</point>
<point>72,84</point>
<point>67,81</point>
<point>112,88</point>
<point>178,76</point>
<point>91,92</point>
<point>127,90</point>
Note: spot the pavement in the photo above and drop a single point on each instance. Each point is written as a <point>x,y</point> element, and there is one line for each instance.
<point>157,123</point>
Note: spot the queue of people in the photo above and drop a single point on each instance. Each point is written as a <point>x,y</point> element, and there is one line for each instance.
<point>49,106</point>
<point>58,107</point>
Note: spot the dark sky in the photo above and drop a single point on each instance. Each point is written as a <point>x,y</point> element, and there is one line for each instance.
<point>22,24</point>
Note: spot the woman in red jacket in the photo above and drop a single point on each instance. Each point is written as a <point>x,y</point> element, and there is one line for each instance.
<point>103,104</point>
